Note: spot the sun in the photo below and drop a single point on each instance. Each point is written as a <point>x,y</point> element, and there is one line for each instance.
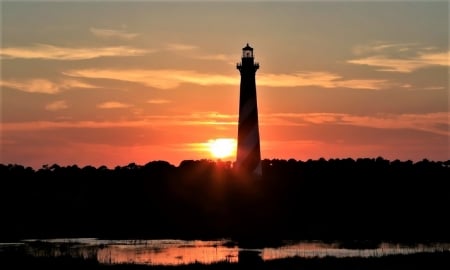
<point>222,147</point>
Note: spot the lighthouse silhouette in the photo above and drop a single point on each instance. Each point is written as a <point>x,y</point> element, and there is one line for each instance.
<point>248,158</point>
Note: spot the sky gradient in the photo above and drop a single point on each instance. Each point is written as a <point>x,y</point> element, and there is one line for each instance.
<point>110,83</point>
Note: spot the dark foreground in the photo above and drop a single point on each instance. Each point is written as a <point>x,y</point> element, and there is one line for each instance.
<point>437,260</point>
<point>365,198</point>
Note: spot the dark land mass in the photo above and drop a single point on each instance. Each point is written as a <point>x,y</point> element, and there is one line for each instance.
<point>338,199</point>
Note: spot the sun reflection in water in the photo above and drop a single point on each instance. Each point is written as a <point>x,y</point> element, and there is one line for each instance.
<point>170,254</point>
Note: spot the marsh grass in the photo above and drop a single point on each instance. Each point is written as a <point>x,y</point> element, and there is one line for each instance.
<point>428,260</point>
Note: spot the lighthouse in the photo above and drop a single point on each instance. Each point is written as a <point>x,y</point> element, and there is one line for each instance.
<point>248,158</point>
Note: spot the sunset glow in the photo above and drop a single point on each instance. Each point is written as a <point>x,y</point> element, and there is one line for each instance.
<point>156,80</point>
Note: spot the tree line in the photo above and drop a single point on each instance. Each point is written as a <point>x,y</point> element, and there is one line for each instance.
<point>335,199</point>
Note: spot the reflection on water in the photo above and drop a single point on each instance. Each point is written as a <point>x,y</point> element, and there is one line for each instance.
<point>319,249</point>
<point>168,252</point>
<point>177,252</point>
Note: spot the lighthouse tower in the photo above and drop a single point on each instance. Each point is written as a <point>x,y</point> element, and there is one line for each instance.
<point>248,157</point>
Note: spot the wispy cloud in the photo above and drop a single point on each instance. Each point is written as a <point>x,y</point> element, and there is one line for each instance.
<point>431,122</point>
<point>403,65</point>
<point>437,58</point>
<point>33,86</point>
<point>158,101</point>
<point>191,51</point>
<point>112,33</point>
<point>162,79</point>
<point>230,59</point>
<point>113,105</point>
<point>167,79</point>
<point>193,119</point>
<point>41,125</point>
<point>44,86</point>
<point>384,47</point>
<point>57,105</point>
<point>180,47</point>
<point>320,79</point>
<point>401,57</point>
<point>436,123</point>
<point>434,88</point>
<point>50,52</point>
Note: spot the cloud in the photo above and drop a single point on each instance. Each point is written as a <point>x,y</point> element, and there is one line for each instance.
<point>180,47</point>
<point>167,79</point>
<point>436,123</point>
<point>44,86</point>
<point>402,57</point>
<point>33,86</point>
<point>439,58</point>
<point>383,47</point>
<point>41,125</point>
<point>158,101</point>
<point>434,88</point>
<point>431,122</point>
<point>393,65</point>
<point>320,79</point>
<point>190,51</point>
<point>193,119</point>
<point>57,105</point>
<point>162,79</point>
<point>50,52</point>
<point>112,33</point>
<point>217,57</point>
<point>113,105</point>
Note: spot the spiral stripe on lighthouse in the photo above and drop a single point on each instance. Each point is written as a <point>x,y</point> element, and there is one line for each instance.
<point>249,152</point>
<point>247,109</point>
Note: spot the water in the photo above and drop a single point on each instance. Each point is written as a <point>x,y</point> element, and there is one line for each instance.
<point>179,252</point>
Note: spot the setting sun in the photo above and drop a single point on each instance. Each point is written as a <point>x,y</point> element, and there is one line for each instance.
<point>222,147</point>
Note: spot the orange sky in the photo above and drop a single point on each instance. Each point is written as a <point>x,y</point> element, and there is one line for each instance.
<point>110,83</point>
